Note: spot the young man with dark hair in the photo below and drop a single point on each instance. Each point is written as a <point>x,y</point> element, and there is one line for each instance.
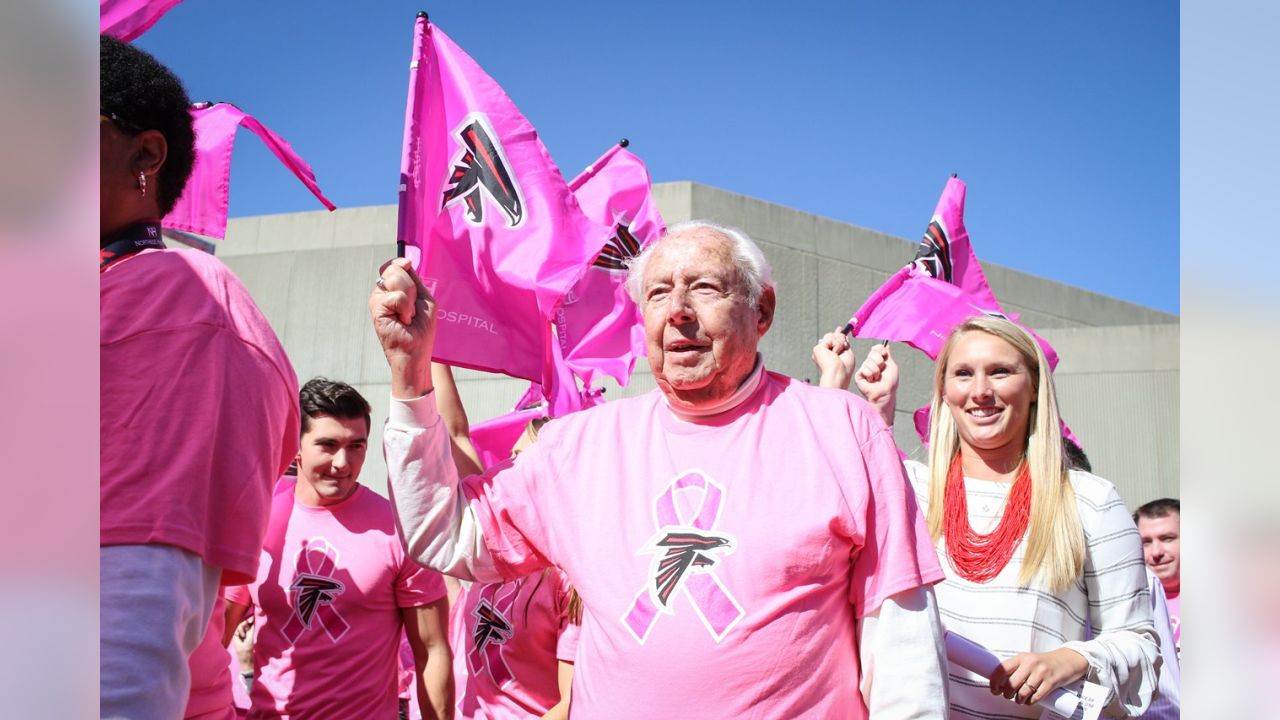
<point>335,591</point>
<point>198,404</point>
<point>1160,524</point>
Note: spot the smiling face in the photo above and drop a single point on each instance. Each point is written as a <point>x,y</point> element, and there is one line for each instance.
<point>700,328</point>
<point>989,388</point>
<point>330,458</point>
<point>1161,547</point>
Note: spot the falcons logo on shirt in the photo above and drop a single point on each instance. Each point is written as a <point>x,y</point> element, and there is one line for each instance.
<point>312,591</point>
<point>491,627</point>
<point>618,250</point>
<point>480,170</point>
<point>685,550</point>
<point>934,253</point>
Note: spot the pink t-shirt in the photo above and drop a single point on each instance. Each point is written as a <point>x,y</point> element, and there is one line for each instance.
<point>199,409</point>
<point>508,639</point>
<point>723,563</point>
<point>211,693</point>
<point>327,602</point>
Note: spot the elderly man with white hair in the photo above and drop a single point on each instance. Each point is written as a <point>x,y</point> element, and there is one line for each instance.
<point>745,545</point>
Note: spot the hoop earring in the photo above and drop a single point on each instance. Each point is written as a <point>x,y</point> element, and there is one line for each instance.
<point>142,183</point>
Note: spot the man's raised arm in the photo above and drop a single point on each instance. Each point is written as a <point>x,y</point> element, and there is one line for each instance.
<point>436,523</point>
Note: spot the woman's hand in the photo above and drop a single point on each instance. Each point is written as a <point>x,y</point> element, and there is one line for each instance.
<point>835,359</point>
<point>877,380</point>
<point>242,644</point>
<point>1028,678</point>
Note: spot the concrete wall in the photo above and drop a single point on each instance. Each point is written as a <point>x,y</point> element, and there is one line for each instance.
<point>312,272</point>
<point>1118,391</point>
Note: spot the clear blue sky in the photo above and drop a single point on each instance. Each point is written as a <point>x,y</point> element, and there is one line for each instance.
<point>1062,118</point>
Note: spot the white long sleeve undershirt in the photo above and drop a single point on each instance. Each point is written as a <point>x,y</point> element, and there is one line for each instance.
<point>437,524</point>
<point>903,677</point>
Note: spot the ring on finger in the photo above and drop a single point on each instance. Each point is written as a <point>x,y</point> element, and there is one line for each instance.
<point>382,284</point>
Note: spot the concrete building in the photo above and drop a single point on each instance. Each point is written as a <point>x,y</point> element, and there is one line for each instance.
<point>312,273</point>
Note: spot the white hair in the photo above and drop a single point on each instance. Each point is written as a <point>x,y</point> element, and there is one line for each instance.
<point>750,262</point>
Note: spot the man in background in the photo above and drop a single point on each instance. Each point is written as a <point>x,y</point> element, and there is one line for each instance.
<point>1160,524</point>
<point>335,592</point>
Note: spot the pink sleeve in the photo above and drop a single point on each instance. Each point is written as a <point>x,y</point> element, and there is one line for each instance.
<point>896,553</point>
<point>567,639</point>
<point>417,586</point>
<point>238,594</point>
<point>567,643</point>
<point>506,504</point>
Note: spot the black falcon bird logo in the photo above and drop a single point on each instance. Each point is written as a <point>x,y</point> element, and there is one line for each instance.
<point>312,591</point>
<point>491,627</point>
<point>934,253</point>
<point>684,550</point>
<point>618,250</point>
<point>480,170</point>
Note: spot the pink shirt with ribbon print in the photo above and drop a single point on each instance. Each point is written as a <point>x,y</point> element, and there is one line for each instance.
<point>508,639</point>
<point>327,601</point>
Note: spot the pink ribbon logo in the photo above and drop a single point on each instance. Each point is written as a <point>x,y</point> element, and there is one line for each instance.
<point>314,591</point>
<point>492,630</point>
<point>684,554</point>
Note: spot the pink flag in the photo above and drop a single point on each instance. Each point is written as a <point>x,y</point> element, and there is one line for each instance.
<point>493,439</point>
<point>559,388</point>
<point>944,286</point>
<point>485,215</point>
<point>127,19</point>
<point>946,253</point>
<point>920,310</point>
<point>599,326</point>
<point>202,208</point>
<point>555,396</point>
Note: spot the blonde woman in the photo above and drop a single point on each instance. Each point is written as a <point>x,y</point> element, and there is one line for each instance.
<point>1043,564</point>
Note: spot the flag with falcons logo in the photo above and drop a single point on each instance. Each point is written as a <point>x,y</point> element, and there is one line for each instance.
<point>599,326</point>
<point>128,19</point>
<point>485,216</point>
<point>203,206</point>
<point>940,289</point>
<point>945,251</point>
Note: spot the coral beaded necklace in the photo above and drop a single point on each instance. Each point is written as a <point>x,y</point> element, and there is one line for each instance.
<point>975,557</point>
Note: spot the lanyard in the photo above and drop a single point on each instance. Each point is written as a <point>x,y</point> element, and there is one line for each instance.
<point>134,238</point>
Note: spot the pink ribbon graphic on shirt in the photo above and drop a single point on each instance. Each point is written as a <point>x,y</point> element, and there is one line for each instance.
<point>683,545</point>
<point>492,630</point>
<point>314,591</point>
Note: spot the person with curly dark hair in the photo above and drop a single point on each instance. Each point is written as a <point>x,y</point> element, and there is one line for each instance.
<point>198,413</point>
<point>148,144</point>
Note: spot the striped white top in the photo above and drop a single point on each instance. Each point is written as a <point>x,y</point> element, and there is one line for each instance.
<point>1112,598</point>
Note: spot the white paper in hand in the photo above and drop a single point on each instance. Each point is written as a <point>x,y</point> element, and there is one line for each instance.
<point>973,657</point>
